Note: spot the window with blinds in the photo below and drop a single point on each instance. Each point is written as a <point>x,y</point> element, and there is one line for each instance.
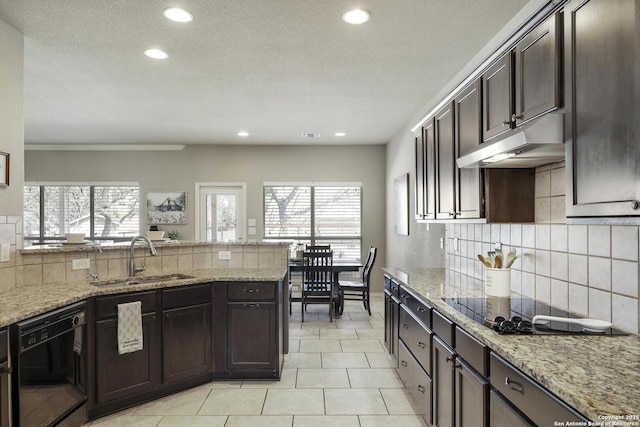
<point>316,214</point>
<point>101,212</point>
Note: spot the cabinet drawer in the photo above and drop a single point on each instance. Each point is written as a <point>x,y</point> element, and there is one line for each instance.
<point>528,396</point>
<point>416,380</point>
<point>475,353</point>
<point>416,338</point>
<point>416,306</point>
<point>186,296</point>
<point>443,327</point>
<point>108,306</point>
<point>251,291</point>
<point>392,287</point>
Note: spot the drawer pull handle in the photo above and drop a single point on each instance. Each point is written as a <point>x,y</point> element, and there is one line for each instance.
<point>421,389</point>
<point>403,363</point>
<point>5,370</point>
<point>513,385</point>
<point>421,309</point>
<point>252,291</point>
<point>405,326</point>
<point>252,305</point>
<point>449,358</point>
<point>421,344</point>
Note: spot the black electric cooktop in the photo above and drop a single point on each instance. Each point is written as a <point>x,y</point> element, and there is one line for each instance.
<point>514,315</point>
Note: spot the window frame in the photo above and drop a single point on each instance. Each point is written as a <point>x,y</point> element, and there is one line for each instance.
<point>312,239</point>
<point>42,238</point>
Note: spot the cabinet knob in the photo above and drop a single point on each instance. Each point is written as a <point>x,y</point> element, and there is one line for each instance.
<point>506,123</point>
<point>635,205</point>
<point>421,309</point>
<point>405,326</point>
<point>449,359</point>
<point>421,389</point>
<point>421,344</point>
<point>452,213</point>
<point>5,370</point>
<point>404,363</point>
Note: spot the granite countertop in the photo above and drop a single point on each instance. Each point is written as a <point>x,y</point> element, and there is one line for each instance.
<point>27,301</point>
<point>597,375</point>
<point>60,247</point>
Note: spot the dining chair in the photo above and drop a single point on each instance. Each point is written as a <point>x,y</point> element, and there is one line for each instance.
<point>355,290</point>
<point>317,280</point>
<point>318,248</point>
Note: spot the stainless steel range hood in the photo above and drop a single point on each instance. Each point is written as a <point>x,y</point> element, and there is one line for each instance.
<point>536,143</point>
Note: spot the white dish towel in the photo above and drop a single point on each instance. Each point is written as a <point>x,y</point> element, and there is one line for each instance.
<point>129,327</point>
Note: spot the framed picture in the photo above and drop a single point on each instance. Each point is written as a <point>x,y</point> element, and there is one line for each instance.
<point>167,207</point>
<point>4,169</point>
<point>401,202</point>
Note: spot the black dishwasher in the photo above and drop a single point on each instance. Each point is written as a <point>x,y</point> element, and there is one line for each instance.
<point>48,357</point>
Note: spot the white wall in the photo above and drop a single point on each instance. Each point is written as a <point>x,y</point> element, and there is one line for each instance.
<point>179,170</point>
<point>12,142</point>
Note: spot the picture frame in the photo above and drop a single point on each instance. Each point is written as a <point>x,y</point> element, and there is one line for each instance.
<point>167,207</point>
<point>4,169</point>
<point>401,204</point>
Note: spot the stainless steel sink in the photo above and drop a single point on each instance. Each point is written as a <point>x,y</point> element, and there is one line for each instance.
<point>141,280</point>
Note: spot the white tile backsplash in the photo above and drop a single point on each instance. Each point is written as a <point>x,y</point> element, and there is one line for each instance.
<point>592,270</point>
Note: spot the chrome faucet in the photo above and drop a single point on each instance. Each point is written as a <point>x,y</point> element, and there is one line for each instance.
<point>132,264</point>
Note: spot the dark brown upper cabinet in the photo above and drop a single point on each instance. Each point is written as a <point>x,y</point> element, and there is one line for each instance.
<point>497,88</point>
<point>602,124</point>
<point>468,115</point>
<point>538,70</point>
<point>525,82</point>
<point>425,182</point>
<point>445,157</point>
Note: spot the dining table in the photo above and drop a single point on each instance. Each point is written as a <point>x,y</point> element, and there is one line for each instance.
<point>339,266</point>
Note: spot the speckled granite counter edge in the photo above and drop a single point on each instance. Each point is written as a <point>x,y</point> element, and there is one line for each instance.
<point>596,375</point>
<point>28,301</point>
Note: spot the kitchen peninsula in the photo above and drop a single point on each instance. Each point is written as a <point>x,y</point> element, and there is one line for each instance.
<point>211,321</point>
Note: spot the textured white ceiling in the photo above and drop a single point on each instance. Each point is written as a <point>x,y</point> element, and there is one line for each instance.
<point>274,68</point>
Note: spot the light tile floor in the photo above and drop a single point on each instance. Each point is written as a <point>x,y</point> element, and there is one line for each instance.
<point>336,374</point>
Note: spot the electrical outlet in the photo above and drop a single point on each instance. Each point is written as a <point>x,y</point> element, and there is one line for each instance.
<point>498,246</point>
<point>80,264</point>
<point>224,255</point>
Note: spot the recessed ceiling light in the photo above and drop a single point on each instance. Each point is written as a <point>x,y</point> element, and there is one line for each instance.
<point>178,15</point>
<point>243,133</point>
<point>156,54</point>
<point>339,134</point>
<point>356,16</point>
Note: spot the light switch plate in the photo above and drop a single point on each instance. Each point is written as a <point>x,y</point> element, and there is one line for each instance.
<point>80,264</point>
<point>252,231</point>
<point>251,222</point>
<point>5,252</point>
<point>224,255</point>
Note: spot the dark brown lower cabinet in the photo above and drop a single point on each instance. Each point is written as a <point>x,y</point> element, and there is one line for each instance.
<point>502,414</point>
<point>415,379</point>
<point>186,333</point>
<point>471,391</point>
<point>4,380</point>
<point>119,376</point>
<point>251,343</point>
<point>443,384</point>
<point>391,310</point>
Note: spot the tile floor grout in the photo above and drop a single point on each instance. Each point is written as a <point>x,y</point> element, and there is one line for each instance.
<point>350,385</point>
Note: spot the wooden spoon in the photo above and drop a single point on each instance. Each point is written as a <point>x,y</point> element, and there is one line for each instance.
<point>511,256</point>
<point>498,261</point>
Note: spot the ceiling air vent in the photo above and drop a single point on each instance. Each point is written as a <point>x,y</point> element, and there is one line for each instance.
<point>310,135</point>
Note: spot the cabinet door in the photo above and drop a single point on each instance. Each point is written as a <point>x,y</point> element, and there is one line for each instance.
<point>122,375</point>
<point>501,414</point>
<point>391,310</point>
<point>443,384</point>
<point>497,91</point>
<point>429,138</point>
<point>252,341</point>
<point>469,186</point>
<point>471,396</point>
<point>419,184</point>
<point>603,116</point>
<point>445,134</point>
<point>537,67</point>
<point>186,342</point>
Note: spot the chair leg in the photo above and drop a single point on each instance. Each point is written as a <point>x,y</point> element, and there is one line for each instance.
<point>341,301</point>
<point>302,308</point>
<point>368,303</point>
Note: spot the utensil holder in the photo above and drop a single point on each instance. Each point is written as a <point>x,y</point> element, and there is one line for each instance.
<point>497,282</point>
